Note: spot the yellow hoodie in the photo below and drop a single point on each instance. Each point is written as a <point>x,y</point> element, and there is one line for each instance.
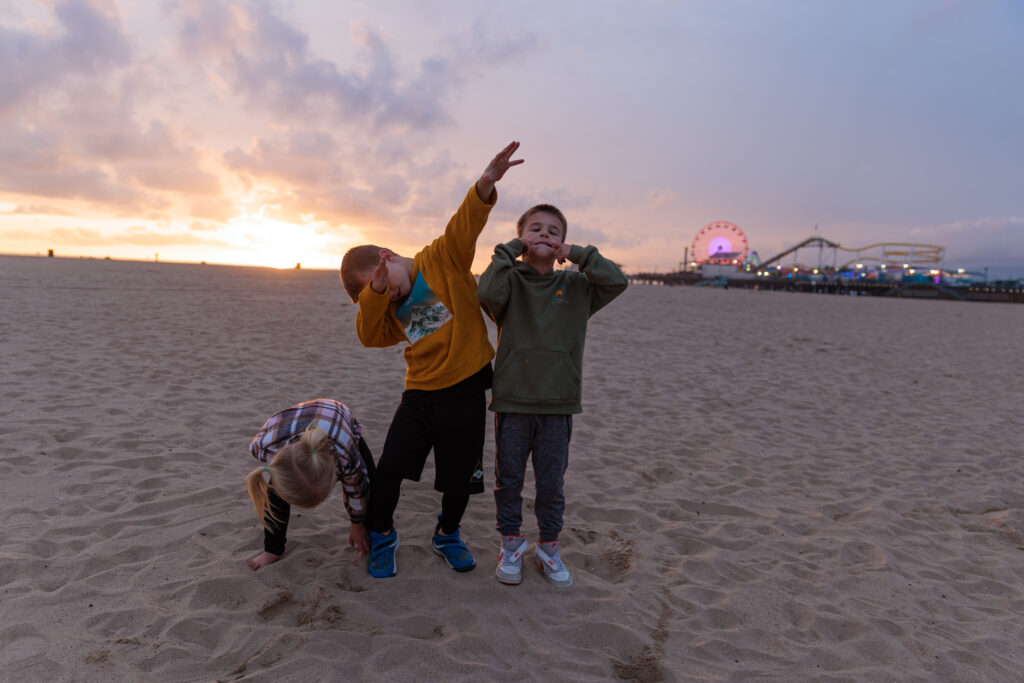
<point>440,320</point>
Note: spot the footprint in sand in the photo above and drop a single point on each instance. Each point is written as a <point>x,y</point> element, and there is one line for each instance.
<point>276,605</point>
<point>618,556</point>
<point>861,555</point>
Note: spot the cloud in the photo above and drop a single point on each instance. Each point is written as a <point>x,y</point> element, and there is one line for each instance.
<point>660,199</point>
<point>581,234</point>
<point>135,235</point>
<point>61,156</point>
<point>212,208</point>
<point>306,159</point>
<point>196,226</point>
<point>309,174</point>
<point>989,240</point>
<point>110,121</point>
<point>268,63</point>
<point>38,210</point>
<point>64,181</point>
<point>86,40</point>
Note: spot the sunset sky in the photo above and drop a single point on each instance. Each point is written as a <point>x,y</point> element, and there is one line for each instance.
<point>275,132</point>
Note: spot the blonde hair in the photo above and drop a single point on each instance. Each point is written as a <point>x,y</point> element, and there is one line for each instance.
<point>302,473</point>
<point>357,266</point>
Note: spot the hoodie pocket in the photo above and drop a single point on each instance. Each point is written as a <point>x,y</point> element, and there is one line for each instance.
<point>540,376</point>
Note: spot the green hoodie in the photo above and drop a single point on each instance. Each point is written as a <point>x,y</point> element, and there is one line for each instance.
<point>542,325</point>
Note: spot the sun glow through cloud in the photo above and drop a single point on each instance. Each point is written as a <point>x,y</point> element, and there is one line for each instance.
<point>279,244</point>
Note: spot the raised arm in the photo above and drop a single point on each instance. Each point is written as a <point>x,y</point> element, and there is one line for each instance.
<point>458,244</point>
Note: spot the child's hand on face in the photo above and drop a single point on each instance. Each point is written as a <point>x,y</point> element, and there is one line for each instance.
<point>562,252</point>
<point>533,243</point>
<point>379,279</point>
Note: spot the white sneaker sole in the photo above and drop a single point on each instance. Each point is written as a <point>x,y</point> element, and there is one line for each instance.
<point>508,579</point>
<point>550,573</point>
<point>550,576</point>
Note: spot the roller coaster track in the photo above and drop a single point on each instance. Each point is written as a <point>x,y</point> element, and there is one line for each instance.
<point>891,252</point>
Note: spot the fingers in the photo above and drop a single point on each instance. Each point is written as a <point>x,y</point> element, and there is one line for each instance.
<point>504,156</point>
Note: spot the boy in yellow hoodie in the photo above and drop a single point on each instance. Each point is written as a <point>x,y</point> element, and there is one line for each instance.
<point>429,303</point>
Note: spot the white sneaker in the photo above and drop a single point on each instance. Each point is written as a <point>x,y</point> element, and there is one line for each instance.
<point>510,560</point>
<point>552,566</point>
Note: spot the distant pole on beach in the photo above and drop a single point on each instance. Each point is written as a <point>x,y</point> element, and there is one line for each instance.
<point>49,252</point>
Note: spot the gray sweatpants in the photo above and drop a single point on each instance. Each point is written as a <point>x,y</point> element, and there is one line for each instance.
<point>516,436</point>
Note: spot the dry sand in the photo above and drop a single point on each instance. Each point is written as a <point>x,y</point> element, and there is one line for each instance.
<point>763,486</point>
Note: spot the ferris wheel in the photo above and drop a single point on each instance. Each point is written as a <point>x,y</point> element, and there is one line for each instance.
<point>717,239</point>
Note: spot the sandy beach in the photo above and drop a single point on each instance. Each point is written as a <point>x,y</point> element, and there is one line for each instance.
<point>762,486</point>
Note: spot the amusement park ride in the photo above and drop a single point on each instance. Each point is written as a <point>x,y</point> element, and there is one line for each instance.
<point>721,255</point>
<point>721,243</point>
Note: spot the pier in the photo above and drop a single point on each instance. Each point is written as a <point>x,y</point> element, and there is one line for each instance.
<point>846,287</point>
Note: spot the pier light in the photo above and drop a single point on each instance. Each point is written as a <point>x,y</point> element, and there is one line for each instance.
<point>815,271</point>
<point>912,271</point>
<point>882,266</point>
<point>960,271</point>
<point>933,272</point>
<point>906,265</point>
<point>860,266</point>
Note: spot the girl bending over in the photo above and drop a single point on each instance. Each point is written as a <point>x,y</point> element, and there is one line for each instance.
<point>304,450</point>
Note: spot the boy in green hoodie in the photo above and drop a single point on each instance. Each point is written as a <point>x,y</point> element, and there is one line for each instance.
<point>542,319</point>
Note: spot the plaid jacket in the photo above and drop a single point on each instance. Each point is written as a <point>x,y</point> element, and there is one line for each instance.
<point>343,432</point>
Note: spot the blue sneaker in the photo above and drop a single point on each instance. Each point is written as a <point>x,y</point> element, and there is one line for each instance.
<point>452,549</point>
<point>382,562</point>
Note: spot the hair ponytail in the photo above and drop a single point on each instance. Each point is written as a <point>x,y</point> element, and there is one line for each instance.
<point>259,493</point>
<point>303,473</point>
<point>322,459</point>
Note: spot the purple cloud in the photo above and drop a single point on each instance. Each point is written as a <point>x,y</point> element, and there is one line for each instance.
<point>86,40</point>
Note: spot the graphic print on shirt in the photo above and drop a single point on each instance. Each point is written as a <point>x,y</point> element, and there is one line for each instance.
<point>559,297</point>
<point>421,313</point>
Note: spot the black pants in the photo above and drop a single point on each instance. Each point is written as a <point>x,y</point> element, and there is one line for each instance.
<point>275,534</point>
<point>452,422</point>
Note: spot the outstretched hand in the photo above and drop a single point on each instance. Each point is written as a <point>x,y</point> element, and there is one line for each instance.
<point>496,170</point>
